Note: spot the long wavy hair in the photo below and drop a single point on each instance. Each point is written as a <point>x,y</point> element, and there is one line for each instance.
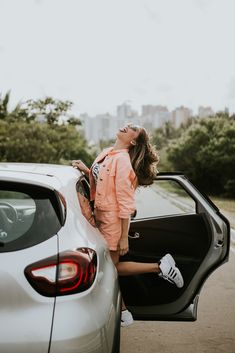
<point>144,159</point>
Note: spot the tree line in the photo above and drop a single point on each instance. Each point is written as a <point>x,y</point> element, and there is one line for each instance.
<point>203,149</point>
<point>45,131</point>
<point>41,131</point>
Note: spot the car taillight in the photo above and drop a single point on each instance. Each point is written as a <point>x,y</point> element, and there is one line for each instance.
<point>67,273</point>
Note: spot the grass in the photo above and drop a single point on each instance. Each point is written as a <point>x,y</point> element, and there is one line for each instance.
<point>225,204</point>
<point>226,207</point>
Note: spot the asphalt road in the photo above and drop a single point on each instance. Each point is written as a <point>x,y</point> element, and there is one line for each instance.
<point>213,332</point>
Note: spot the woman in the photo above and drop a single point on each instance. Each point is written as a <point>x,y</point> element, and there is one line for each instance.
<point>114,176</point>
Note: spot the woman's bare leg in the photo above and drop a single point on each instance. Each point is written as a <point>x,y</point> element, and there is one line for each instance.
<point>136,268</point>
<point>129,268</point>
<point>115,257</point>
<point>132,268</point>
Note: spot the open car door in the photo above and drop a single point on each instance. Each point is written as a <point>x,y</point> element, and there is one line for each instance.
<point>173,217</point>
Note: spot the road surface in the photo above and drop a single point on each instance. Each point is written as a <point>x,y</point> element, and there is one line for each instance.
<point>213,332</point>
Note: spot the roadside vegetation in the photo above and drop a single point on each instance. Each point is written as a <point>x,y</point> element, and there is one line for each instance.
<point>42,131</point>
<point>204,150</point>
<point>45,131</point>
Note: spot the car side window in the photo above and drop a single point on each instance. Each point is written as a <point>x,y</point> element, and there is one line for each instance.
<point>163,198</point>
<point>83,194</point>
<point>17,212</point>
<point>29,215</point>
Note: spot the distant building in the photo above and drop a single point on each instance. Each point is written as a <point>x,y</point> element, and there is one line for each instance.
<point>125,114</point>
<point>154,116</point>
<point>100,127</point>
<point>152,109</point>
<point>181,115</point>
<point>204,112</point>
<point>105,126</point>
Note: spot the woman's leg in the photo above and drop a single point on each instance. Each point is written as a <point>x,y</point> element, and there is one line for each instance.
<point>132,268</point>
<point>166,268</point>
<point>136,268</point>
<point>129,268</point>
<point>115,256</point>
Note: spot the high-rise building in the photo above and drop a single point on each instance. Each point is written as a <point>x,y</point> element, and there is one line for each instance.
<point>152,109</point>
<point>181,115</point>
<point>125,111</point>
<point>100,127</point>
<point>125,114</point>
<point>155,116</point>
<point>204,112</point>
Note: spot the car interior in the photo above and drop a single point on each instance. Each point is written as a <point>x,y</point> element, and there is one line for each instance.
<point>186,237</point>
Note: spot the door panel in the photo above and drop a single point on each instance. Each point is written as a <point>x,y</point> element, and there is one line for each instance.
<point>187,238</point>
<point>190,234</point>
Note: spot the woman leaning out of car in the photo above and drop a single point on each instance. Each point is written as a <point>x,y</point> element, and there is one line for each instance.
<point>114,176</point>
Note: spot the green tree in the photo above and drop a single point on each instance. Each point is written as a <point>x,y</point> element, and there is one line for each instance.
<point>48,110</point>
<point>165,134</point>
<point>161,136</point>
<point>41,143</point>
<point>206,153</point>
<point>4,103</point>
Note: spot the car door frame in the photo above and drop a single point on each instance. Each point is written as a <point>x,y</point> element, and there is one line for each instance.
<point>185,307</point>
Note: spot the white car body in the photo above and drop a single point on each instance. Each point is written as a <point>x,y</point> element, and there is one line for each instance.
<point>82,322</point>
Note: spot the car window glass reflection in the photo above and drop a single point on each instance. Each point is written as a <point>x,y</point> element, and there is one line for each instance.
<point>17,211</point>
<point>163,198</point>
<point>84,201</point>
<point>29,215</point>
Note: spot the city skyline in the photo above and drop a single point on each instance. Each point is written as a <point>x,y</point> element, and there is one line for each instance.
<point>139,111</point>
<point>104,126</point>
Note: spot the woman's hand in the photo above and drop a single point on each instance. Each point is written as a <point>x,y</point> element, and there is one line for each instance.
<point>123,245</point>
<point>81,166</point>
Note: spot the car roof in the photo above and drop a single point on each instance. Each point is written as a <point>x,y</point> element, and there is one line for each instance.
<point>52,175</point>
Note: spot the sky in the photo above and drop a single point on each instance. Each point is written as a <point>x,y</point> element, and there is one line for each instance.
<point>102,53</point>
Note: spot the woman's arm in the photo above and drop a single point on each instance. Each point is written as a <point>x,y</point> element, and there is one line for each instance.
<point>123,245</point>
<point>124,187</point>
<point>81,166</point>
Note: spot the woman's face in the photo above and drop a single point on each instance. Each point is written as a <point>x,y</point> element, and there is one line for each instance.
<point>128,134</point>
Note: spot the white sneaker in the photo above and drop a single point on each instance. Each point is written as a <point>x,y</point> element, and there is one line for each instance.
<point>169,271</point>
<point>126,318</point>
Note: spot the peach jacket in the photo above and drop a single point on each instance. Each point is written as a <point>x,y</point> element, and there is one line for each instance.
<point>116,183</point>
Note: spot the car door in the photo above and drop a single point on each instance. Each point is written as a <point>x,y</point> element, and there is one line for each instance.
<point>172,216</point>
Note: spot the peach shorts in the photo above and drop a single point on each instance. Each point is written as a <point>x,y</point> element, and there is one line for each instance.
<point>110,226</point>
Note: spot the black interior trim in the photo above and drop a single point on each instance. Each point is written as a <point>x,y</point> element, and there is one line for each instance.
<point>186,237</point>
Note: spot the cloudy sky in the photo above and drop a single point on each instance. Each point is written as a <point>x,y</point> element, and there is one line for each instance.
<point>101,53</point>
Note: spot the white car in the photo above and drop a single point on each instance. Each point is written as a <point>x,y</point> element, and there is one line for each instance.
<point>59,291</point>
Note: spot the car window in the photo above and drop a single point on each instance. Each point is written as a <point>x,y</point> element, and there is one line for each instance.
<point>163,198</point>
<point>28,215</point>
<point>83,194</point>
